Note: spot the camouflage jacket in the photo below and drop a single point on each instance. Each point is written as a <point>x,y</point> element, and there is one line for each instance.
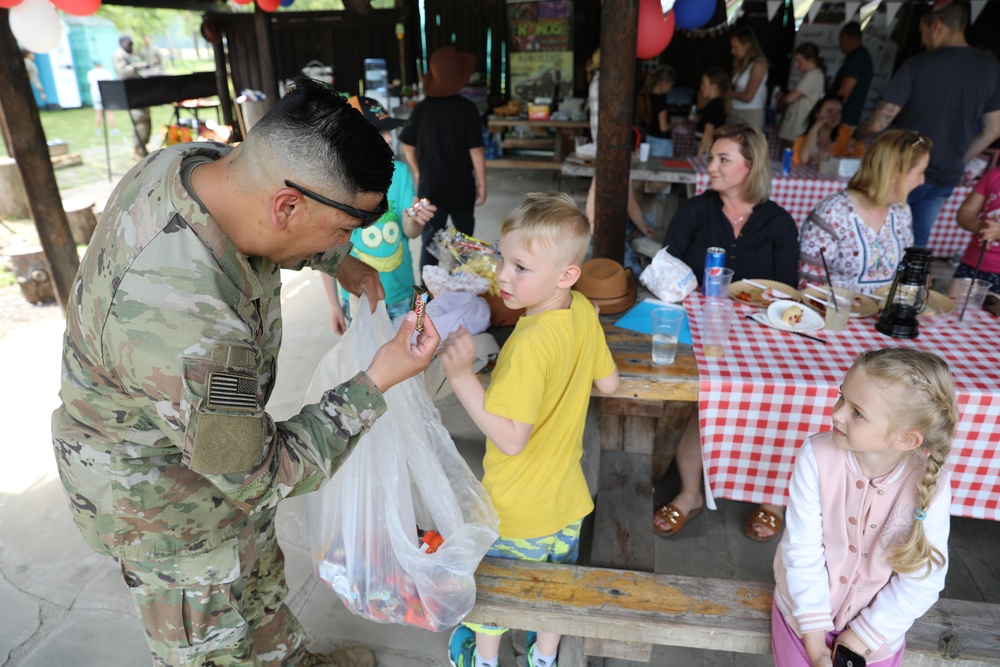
<point>162,440</point>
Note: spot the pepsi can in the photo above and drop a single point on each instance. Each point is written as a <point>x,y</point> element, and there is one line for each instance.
<point>715,260</point>
<point>786,162</point>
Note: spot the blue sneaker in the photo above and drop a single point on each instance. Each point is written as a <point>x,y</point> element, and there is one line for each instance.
<point>529,644</point>
<point>462,647</point>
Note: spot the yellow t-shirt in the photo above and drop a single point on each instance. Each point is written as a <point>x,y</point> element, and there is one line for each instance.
<point>543,377</point>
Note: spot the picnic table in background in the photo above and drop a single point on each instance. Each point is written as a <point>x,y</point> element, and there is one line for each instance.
<point>772,389</point>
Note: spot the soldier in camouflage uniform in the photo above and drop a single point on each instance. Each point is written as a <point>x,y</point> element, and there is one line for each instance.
<point>171,464</point>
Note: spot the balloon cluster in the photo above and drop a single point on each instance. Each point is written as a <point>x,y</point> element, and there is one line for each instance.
<point>656,29</point>
<point>35,23</point>
<point>266,5</point>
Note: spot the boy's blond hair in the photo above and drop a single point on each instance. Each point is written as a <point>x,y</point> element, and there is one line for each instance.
<point>553,221</point>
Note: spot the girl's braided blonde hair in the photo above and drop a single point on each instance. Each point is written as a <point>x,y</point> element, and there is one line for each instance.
<point>930,408</point>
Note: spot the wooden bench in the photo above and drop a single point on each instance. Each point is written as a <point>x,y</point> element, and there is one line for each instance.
<point>694,612</point>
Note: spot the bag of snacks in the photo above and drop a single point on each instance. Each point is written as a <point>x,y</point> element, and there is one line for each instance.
<point>401,528</point>
<point>458,253</point>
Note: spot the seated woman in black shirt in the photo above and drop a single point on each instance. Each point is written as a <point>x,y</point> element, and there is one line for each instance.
<point>761,241</point>
<point>715,90</point>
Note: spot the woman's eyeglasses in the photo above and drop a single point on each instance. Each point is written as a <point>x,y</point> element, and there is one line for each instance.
<point>367,218</point>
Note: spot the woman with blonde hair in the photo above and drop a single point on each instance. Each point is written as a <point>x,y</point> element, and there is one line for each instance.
<point>864,229</point>
<point>761,242</point>
<point>749,94</point>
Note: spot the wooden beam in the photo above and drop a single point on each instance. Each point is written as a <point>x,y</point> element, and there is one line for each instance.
<point>614,134</point>
<point>265,56</point>
<point>23,128</point>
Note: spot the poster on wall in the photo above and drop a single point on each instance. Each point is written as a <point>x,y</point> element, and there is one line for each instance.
<point>541,49</point>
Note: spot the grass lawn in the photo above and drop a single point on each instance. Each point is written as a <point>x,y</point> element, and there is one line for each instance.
<point>78,127</point>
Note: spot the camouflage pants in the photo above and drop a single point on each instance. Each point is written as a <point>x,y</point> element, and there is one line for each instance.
<point>143,126</point>
<point>222,609</point>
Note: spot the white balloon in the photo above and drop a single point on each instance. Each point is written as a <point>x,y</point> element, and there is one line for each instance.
<point>35,25</point>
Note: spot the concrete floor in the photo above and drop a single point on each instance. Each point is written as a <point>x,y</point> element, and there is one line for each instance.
<point>62,605</point>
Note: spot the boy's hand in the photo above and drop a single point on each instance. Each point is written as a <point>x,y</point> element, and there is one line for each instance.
<point>421,211</point>
<point>457,354</point>
<point>356,277</point>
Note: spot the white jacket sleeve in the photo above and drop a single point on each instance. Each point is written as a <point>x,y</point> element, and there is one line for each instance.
<point>907,597</point>
<point>801,547</point>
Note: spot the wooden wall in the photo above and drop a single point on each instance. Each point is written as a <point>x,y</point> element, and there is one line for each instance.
<point>344,39</point>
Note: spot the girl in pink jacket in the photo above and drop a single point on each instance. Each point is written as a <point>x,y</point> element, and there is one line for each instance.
<point>864,553</point>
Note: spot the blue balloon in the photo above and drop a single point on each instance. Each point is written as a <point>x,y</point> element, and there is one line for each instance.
<point>287,3</point>
<point>691,14</point>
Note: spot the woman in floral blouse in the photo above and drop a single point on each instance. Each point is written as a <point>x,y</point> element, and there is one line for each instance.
<point>864,229</point>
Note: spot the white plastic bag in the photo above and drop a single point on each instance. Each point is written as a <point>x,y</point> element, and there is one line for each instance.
<point>403,474</point>
<point>668,278</point>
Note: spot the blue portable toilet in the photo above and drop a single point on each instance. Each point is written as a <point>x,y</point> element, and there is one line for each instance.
<point>91,39</point>
<point>56,71</point>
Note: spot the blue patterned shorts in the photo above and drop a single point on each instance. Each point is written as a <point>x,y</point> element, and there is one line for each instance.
<point>562,547</point>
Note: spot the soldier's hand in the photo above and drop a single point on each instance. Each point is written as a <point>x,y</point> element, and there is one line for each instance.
<point>401,358</point>
<point>356,277</point>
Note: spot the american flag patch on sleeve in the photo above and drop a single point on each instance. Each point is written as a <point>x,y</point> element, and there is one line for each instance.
<point>227,391</point>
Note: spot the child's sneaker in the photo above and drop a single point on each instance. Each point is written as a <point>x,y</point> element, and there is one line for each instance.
<point>529,643</point>
<point>462,647</point>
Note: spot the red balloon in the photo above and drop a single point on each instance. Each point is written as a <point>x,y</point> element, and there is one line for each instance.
<point>242,2</point>
<point>269,5</point>
<point>78,7</point>
<point>9,4</point>
<point>655,30</point>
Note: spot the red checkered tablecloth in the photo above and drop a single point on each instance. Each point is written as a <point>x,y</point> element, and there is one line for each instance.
<point>772,389</point>
<point>799,192</point>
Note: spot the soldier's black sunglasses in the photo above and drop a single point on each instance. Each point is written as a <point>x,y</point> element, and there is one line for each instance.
<point>367,218</point>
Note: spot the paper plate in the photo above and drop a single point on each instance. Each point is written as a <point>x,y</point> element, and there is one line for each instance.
<point>864,305</point>
<point>937,303</point>
<point>811,321</point>
<point>744,292</point>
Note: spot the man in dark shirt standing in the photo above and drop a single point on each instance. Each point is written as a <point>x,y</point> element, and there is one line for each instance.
<point>443,144</point>
<point>854,77</point>
<point>944,94</point>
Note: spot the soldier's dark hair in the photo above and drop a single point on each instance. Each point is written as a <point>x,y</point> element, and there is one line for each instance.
<point>327,142</point>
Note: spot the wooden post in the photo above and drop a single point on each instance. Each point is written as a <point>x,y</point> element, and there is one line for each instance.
<point>265,56</point>
<point>222,83</point>
<point>23,127</point>
<point>614,132</point>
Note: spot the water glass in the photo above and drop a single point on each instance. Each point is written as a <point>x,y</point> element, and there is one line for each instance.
<point>836,317</point>
<point>717,281</point>
<point>666,329</point>
<point>717,319</point>
<point>959,290</point>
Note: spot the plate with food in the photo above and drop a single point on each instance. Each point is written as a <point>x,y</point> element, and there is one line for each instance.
<point>937,303</point>
<point>791,316</point>
<point>815,297</point>
<point>762,293</point>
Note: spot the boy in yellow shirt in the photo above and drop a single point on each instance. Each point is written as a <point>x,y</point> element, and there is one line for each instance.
<point>534,411</point>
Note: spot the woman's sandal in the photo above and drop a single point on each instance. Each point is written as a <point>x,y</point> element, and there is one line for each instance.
<point>765,519</point>
<point>673,517</point>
